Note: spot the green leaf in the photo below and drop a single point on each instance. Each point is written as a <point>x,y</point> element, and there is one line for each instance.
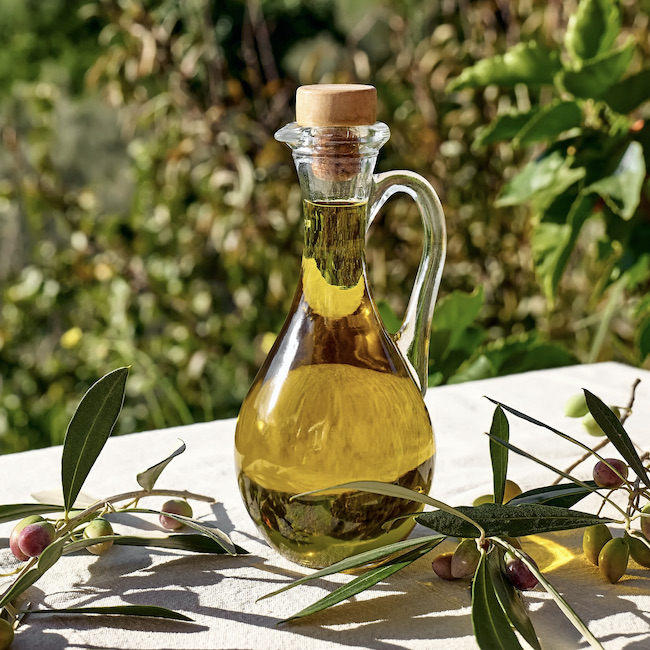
<point>548,123</point>
<point>643,339</point>
<point>213,533</point>
<point>510,599</point>
<point>573,618</point>
<point>185,542</point>
<point>504,127</point>
<point>13,511</point>
<point>24,582</point>
<point>391,321</point>
<point>564,495</point>
<point>456,312</point>
<point>630,93</point>
<point>509,520</point>
<point>491,626</point>
<point>553,243</point>
<point>361,559</point>
<point>365,581</point>
<point>148,478</point>
<point>592,29</point>
<point>123,610</point>
<point>599,74</point>
<point>50,556</point>
<point>526,63</point>
<point>88,431</point>
<point>546,176</point>
<point>499,453</point>
<point>616,434</point>
<point>621,191</point>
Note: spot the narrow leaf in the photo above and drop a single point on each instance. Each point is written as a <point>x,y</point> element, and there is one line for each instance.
<point>616,434</point>
<point>25,581</point>
<point>367,580</point>
<point>88,431</point>
<point>123,610</point>
<point>509,520</point>
<point>499,453</point>
<point>491,626</point>
<point>573,618</point>
<point>510,599</point>
<point>213,533</point>
<point>50,556</point>
<point>564,495</point>
<point>360,560</point>
<point>148,478</point>
<point>13,511</point>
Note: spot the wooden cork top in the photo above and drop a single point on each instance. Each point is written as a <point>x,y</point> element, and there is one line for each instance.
<point>336,105</point>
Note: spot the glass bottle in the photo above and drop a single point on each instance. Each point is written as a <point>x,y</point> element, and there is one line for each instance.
<point>338,398</point>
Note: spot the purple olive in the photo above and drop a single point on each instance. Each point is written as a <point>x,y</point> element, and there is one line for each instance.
<point>13,538</point>
<point>35,538</point>
<point>442,566</point>
<point>175,507</point>
<point>519,575</point>
<point>606,477</point>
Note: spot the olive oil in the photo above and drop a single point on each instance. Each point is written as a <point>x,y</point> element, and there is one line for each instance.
<point>334,402</point>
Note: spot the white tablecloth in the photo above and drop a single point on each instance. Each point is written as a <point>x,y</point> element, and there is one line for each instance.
<point>413,609</point>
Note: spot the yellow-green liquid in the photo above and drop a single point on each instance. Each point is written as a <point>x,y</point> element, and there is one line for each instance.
<point>333,403</point>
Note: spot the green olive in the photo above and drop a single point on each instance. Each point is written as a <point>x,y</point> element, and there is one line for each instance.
<point>6,634</point>
<point>98,528</point>
<point>613,559</point>
<point>593,540</point>
<point>512,490</point>
<point>486,498</point>
<point>639,552</point>
<point>576,406</point>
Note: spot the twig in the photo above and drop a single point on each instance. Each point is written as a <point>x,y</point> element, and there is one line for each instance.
<point>627,411</point>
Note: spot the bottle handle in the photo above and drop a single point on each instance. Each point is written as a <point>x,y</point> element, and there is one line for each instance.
<point>412,339</point>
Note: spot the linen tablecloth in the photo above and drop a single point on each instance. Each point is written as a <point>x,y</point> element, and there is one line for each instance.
<point>413,609</point>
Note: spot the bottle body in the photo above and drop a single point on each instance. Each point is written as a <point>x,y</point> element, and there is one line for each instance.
<point>334,402</point>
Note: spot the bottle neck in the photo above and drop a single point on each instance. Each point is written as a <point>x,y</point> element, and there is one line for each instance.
<point>335,240</point>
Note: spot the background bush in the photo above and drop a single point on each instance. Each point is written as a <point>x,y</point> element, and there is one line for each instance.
<point>148,217</point>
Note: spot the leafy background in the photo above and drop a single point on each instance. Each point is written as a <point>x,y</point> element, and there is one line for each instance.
<point>148,217</point>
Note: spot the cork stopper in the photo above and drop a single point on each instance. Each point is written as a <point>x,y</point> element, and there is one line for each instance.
<point>336,105</point>
<point>335,109</point>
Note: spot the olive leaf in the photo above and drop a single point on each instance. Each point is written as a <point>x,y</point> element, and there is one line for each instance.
<point>510,599</point>
<point>617,435</point>
<point>491,626</point>
<point>573,618</point>
<point>564,495</point>
<point>213,533</point>
<point>499,453</point>
<point>361,559</point>
<point>148,478</point>
<point>509,520</point>
<point>184,542</point>
<point>124,610</point>
<point>592,29</point>
<point>367,580</point>
<point>13,511</point>
<point>88,431</point>
<point>25,581</point>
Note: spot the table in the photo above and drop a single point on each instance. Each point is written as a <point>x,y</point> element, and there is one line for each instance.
<point>413,609</point>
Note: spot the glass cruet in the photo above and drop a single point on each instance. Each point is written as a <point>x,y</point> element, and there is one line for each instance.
<point>338,398</point>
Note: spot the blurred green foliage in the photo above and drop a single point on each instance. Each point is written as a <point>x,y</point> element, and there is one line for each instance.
<point>148,217</point>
